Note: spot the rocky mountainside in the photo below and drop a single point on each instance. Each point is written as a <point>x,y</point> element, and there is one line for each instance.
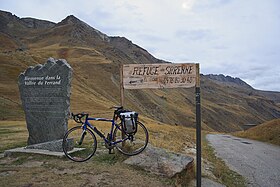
<point>240,84</point>
<point>227,103</point>
<point>228,80</point>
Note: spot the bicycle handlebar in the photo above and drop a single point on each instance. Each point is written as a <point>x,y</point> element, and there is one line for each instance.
<point>78,117</point>
<point>116,107</point>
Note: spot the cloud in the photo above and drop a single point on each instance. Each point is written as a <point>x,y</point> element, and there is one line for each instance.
<point>188,4</point>
<point>206,5</point>
<point>152,37</point>
<point>195,35</point>
<point>264,80</point>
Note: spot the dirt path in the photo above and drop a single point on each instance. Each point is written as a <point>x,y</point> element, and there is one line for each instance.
<point>258,162</point>
<point>105,170</point>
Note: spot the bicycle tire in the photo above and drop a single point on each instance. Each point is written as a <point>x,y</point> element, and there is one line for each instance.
<point>79,146</point>
<point>135,144</point>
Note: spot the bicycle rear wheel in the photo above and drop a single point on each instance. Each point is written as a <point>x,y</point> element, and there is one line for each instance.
<point>78,144</point>
<point>134,144</point>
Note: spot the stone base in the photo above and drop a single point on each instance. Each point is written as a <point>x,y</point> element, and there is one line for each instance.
<point>32,151</point>
<point>11,152</point>
<point>55,146</point>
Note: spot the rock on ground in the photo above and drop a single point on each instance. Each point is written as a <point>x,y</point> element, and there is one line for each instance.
<point>161,162</point>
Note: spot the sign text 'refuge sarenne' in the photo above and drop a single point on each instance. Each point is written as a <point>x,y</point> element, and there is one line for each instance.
<point>138,76</point>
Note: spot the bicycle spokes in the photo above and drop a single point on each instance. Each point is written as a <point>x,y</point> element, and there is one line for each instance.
<point>82,137</point>
<point>79,145</point>
<point>132,144</point>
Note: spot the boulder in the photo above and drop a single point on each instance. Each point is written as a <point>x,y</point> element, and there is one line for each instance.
<point>161,161</point>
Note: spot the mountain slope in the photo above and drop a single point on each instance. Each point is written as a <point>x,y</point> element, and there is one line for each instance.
<point>266,132</point>
<point>95,59</point>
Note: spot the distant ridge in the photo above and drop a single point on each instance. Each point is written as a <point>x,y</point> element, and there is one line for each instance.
<point>36,23</point>
<point>26,22</point>
<point>228,80</point>
<point>72,20</point>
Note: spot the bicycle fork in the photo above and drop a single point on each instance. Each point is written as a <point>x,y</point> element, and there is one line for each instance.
<point>82,137</point>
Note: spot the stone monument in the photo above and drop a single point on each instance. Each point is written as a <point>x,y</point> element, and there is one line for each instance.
<point>45,95</point>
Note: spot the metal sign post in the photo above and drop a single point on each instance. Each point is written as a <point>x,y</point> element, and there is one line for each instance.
<point>186,75</point>
<point>198,127</point>
<point>121,86</point>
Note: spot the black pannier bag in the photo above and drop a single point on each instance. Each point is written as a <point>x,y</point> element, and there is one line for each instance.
<point>129,122</point>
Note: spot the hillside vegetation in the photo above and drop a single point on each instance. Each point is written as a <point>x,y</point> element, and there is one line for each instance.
<point>266,132</point>
<point>227,103</point>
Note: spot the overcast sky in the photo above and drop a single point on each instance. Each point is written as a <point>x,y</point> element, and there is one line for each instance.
<point>240,38</point>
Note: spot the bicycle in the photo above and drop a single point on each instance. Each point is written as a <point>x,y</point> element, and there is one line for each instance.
<point>79,143</point>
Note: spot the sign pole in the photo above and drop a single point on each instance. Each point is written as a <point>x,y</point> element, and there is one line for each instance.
<point>122,96</point>
<point>198,128</point>
<point>121,85</point>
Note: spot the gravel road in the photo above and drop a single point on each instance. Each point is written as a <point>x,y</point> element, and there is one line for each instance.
<point>257,161</point>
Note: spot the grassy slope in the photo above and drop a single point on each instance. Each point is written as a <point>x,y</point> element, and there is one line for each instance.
<point>96,81</point>
<point>266,132</point>
<point>96,87</point>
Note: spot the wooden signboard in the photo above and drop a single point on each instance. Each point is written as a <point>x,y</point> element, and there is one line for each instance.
<point>139,76</point>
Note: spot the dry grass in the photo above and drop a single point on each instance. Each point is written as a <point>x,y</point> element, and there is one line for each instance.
<point>171,137</point>
<point>102,169</point>
<point>266,132</point>
<point>42,170</point>
<point>12,134</point>
<point>35,170</point>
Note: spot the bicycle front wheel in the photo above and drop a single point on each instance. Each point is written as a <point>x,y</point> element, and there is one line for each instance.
<point>132,144</point>
<point>78,144</point>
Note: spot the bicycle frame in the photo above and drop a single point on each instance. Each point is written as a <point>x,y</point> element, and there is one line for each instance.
<point>83,146</point>
<point>101,135</point>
